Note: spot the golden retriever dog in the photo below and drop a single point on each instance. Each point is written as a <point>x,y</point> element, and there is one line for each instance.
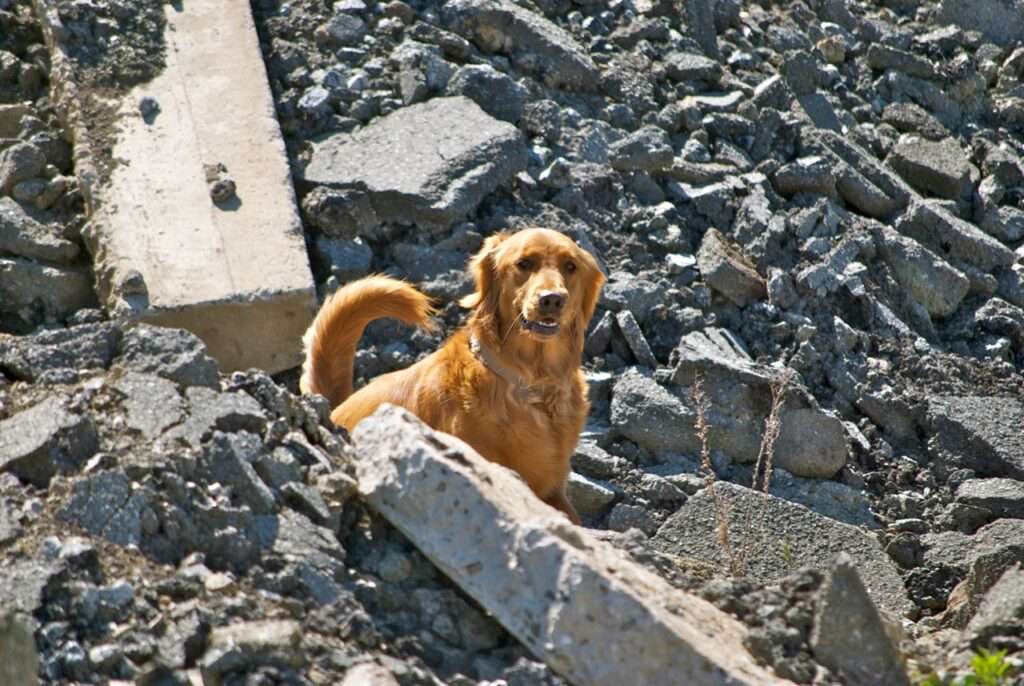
<point>507,383</point>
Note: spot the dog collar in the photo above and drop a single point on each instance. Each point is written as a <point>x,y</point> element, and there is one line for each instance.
<point>519,390</point>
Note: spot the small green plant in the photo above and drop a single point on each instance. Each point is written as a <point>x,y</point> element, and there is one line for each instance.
<point>988,668</point>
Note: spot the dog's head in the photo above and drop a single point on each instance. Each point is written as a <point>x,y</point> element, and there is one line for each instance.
<point>536,283</point>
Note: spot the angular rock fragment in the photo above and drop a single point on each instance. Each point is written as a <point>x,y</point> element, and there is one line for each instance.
<point>980,433</point>
<point>20,666</point>
<point>45,439</point>
<point>22,235</point>
<point>805,175</point>
<point>244,645</point>
<point>940,168</point>
<point>1000,612</point>
<point>635,339</point>
<point>81,348</point>
<point>533,42</point>
<point>648,149</point>
<point>932,281</point>
<point>778,537</point>
<point>446,169</point>
<point>728,270</point>
<point>1002,497</point>
<point>646,413</point>
<point>884,57</point>
<point>685,66</point>
<point>500,537</point>
<point>48,292</point>
<point>849,637</point>
<point>952,237</point>
<point>1000,21</point>
<point>174,354</point>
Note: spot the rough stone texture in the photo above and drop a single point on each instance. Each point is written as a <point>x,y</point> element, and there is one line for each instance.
<point>580,589</point>
<point>82,348</point>
<point>646,413</point>
<point>21,235</point>
<point>848,636</point>
<point>528,38</point>
<point>940,168</point>
<point>1000,21</point>
<point>779,537</point>
<point>635,339</point>
<point>174,354</point>
<point>981,432</point>
<point>930,280</point>
<point>884,57</point>
<point>54,292</point>
<point>1001,611</point>
<point>805,175</point>
<point>950,236</point>
<point>271,643</point>
<point>495,93</point>
<point>446,170</point>
<point>245,275</point>
<point>728,270</point>
<point>39,442</point>
<point>20,663</point>
<point>1001,497</point>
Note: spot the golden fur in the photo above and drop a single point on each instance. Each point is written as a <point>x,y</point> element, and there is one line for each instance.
<point>528,414</point>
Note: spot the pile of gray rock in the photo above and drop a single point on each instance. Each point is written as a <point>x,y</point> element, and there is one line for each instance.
<point>814,205</point>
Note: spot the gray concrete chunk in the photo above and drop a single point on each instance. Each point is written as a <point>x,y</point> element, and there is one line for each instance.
<point>940,168</point>
<point>779,537</point>
<point>453,154</point>
<point>22,235</point>
<point>1000,21</point>
<point>45,439</point>
<point>728,270</point>
<point>234,272</point>
<point>557,589</point>
<point>533,42</point>
<point>931,281</point>
<point>983,432</point>
<point>952,237</point>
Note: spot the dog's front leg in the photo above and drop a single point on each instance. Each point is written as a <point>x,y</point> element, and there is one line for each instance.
<point>560,501</point>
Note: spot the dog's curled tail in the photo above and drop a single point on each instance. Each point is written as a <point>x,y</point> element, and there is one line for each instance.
<point>330,342</point>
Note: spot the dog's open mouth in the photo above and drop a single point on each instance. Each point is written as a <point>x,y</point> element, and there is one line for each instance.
<point>542,327</point>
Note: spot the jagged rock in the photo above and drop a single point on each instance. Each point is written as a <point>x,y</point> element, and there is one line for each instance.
<point>777,537</point>
<point>45,439</point>
<point>153,404</point>
<point>588,496</point>
<point>647,149</point>
<point>930,280</point>
<point>273,643</point>
<point>105,504</point>
<point>805,175</point>
<point>937,167</point>
<point>1000,612</point>
<point>402,468</point>
<point>728,270</point>
<point>174,354</point>
<point>532,41</point>
<point>443,176</point>
<point>22,235</point>
<point>908,117</point>
<point>1002,497</point>
<point>686,66</point>
<point>635,339</point>
<point>347,260</point>
<point>884,57</point>
<point>1000,21</point>
<point>20,162</point>
<point>648,414</point>
<point>979,559</point>
<point>979,433</point>
<point>849,637</point>
<point>495,93</point>
<point>948,235</point>
<point>51,293</point>
<point>57,352</point>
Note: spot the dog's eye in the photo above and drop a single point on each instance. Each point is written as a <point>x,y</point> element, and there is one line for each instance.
<point>525,264</point>
<point>570,267</point>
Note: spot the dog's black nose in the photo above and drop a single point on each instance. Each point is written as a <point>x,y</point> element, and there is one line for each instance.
<point>551,302</point>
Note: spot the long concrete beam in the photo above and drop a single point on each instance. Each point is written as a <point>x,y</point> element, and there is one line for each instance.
<point>234,272</point>
<point>575,602</point>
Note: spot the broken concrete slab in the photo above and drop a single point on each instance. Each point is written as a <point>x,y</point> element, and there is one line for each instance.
<point>635,339</point>
<point>979,433</point>
<point>738,392</point>
<point>884,57</point>
<point>728,270</point>
<point>22,235</point>
<point>20,666</point>
<point>445,172</point>
<point>1000,21</point>
<point>778,537</point>
<point>952,237</point>
<point>532,42</point>
<point>940,168</point>
<point>245,275</point>
<point>929,279</point>
<point>34,288</point>
<point>1002,497</point>
<point>556,588</point>
<point>849,636</point>
<point>39,442</point>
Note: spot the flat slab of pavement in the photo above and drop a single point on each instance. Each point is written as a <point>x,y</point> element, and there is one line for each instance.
<point>236,273</point>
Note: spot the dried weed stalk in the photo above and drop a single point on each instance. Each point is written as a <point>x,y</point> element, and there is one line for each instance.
<point>700,401</point>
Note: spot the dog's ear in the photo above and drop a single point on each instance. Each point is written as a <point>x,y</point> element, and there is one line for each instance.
<point>482,267</point>
<point>593,280</point>
<point>592,287</point>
